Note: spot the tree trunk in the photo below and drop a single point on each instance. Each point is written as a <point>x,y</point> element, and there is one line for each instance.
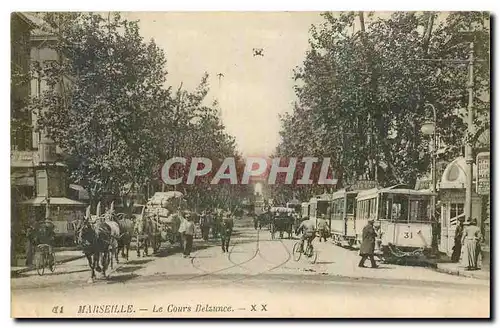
<point>428,32</point>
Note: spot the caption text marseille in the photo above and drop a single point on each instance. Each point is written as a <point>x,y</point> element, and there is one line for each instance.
<point>254,167</point>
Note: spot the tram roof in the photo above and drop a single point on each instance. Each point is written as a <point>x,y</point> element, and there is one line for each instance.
<point>365,194</point>
<point>323,197</point>
<point>341,193</point>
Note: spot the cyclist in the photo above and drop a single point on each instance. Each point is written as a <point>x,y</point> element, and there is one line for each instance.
<point>308,229</point>
<point>46,235</point>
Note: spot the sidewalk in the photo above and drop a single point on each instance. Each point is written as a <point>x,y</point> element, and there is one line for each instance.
<point>334,260</point>
<point>457,270</point>
<point>62,256</point>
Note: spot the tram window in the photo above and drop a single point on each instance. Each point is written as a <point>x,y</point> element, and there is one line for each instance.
<point>396,212</point>
<point>399,209</point>
<point>341,207</point>
<point>387,210</point>
<point>373,208</point>
<point>312,210</point>
<point>419,210</point>
<point>366,208</point>
<point>350,206</point>
<point>336,209</point>
<point>322,207</point>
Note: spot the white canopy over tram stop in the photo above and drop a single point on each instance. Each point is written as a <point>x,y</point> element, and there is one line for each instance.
<point>452,200</point>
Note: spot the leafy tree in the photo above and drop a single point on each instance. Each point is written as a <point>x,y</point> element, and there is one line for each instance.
<point>108,110</point>
<point>103,101</point>
<point>364,86</point>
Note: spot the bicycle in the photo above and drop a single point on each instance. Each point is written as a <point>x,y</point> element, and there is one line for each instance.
<point>44,259</point>
<point>310,252</point>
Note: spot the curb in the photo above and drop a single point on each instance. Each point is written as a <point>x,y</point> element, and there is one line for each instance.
<point>456,272</point>
<point>69,259</point>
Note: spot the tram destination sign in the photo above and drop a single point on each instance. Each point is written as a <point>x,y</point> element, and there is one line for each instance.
<point>364,184</point>
<point>483,173</point>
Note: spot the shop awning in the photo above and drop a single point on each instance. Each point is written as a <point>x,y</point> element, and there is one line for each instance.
<point>22,178</point>
<point>59,201</point>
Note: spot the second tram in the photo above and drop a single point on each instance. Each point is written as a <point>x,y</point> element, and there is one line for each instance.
<point>342,217</point>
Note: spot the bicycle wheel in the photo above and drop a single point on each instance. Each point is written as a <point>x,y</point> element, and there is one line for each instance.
<point>296,251</point>
<point>52,263</point>
<point>40,264</point>
<point>313,256</point>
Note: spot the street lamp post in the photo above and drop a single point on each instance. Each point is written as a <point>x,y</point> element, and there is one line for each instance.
<point>469,160</point>
<point>429,128</point>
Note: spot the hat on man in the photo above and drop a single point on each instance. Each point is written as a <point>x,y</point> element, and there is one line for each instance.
<point>371,220</point>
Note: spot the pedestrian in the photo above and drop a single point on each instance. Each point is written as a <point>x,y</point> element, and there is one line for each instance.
<point>226,231</point>
<point>45,235</point>
<point>208,224</point>
<point>255,219</point>
<point>436,233</point>
<point>187,233</point>
<point>457,247</point>
<point>30,244</point>
<point>472,241</point>
<point>368,245</point>
<point>322,228</point>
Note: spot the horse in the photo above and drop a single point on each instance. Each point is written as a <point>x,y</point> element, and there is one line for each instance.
<point>95,240</point>
<point>126,226</point>
<point>110,221</point>
<point>144,228</point>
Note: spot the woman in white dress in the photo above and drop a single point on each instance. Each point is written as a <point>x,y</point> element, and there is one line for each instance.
<point>471,241</point>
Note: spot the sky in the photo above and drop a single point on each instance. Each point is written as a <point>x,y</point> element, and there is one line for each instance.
<point>254,90</point>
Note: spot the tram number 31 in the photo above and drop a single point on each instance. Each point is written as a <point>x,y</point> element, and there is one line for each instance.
<point>408,234</point>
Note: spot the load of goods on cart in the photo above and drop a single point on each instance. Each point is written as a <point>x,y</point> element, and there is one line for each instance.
<point>161,209</point>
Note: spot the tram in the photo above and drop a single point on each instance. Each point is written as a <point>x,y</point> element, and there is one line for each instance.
<point>319,206</point>
<point>402,216</point>
<point>305,210</point>
<point>343,218</point>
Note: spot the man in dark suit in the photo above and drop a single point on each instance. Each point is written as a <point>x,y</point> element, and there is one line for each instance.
<point>226,231</point>
<point>457,247</point>
<point>368,245</point>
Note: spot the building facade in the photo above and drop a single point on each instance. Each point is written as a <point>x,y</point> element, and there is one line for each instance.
<point>22,181</point>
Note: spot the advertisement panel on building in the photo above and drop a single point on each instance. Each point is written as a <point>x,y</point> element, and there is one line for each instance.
<point>483,173</point>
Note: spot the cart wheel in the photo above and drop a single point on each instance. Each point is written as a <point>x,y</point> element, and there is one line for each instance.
<point>40,265</point>
<point>296,251</point>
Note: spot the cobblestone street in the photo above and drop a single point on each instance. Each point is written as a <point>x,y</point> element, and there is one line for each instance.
<point>256,266</point>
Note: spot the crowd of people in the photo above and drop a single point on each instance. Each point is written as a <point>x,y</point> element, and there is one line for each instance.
<point>208,220</point>
<point>466,247</point>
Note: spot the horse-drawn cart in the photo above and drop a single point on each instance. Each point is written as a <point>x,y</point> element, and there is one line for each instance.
<point>159,222</point>
<point>282,221</point>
